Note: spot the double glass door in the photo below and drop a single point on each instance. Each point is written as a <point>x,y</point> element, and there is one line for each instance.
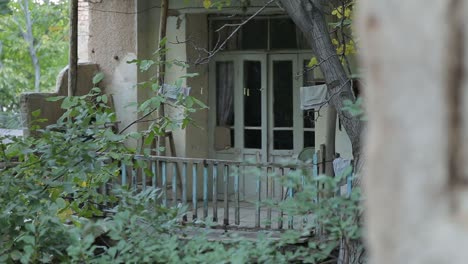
<point>255,107</point>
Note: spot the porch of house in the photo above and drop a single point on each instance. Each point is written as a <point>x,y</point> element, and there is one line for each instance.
<point>223,193</point>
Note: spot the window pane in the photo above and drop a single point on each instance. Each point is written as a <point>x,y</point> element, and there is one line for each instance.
<point>307,74</point>
<point>309,118</point>
<point>283,139</point>
<point>217,37</point>
<point>282,34</point>
<point>252,93</point>
<point>253,139</point>
<point>225,93</point>
<point>255,34</point>
<point>309,139</point>
<point>282,94</point>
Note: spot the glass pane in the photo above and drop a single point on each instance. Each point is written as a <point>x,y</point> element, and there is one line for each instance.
<point>309,118</point>
<point>225,93</point>
<point>255,34</point>
<point>307,74</point>
<point>282,34</point>
<point>283,139</point>
<point>309,139</point>
<point>253,139</point>
<point>282,94</point>
<point>252,93</point>
<point>217,37</point>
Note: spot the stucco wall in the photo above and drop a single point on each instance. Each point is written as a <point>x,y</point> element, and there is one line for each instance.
<point>112,43</point>
<point>51,111</point>
<point>198,148</point>
<point>342,141</point>
<point>83,30</point>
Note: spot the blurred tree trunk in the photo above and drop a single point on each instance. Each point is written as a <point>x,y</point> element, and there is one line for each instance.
<point>416,179</point>
<point>28,37</point>
<point>308,15</point>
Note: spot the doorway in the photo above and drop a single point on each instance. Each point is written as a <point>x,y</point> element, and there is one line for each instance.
<point>255,112</point>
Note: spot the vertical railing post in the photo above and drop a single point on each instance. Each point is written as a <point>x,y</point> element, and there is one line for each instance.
<point>184,188</point>
<point>303,170</point>
<point>153,172</point>
<point>134,176</point>
<point>194,191</point>
<point>291,217</point>
<point>215,192</point>
<point>269,188</point>
<point>164,182</point>
<point>281,213</point>
<point>259,199</point>
<point>143,176</point>
<point>205,190</point>
<point>237,196</point>
<point>174,184</point>
<point>226,194</point>
<point>124,174</point>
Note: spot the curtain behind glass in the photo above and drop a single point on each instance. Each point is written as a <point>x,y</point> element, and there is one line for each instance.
<point>225,93</point>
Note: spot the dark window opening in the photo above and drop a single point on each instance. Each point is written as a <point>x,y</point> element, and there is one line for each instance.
<point>260,33</point>
<point>282,94</point>
<point>309,139</point>
<point>253,139</point>
<point>252,93</point>
<point>283,140</point>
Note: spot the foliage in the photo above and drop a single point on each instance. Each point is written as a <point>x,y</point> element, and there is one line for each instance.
<point>52,210</point>
<point>50,32</point>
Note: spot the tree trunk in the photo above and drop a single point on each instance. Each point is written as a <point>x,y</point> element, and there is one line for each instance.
<point>73,52</point>
<point>417,147</point>
<point>308,16</point>
<point>29,38</point>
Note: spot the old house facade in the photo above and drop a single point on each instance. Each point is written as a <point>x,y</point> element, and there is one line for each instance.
<point>252,87</point>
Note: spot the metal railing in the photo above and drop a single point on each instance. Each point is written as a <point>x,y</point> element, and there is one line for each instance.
<point>212,190</point>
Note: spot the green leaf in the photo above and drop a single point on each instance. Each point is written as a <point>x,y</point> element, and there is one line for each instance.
<point>146,64</point>
<point>67,103</point>
<point>55,98</point>
<point>98,78</point>
<point>207,4</point>
<point>313,61</point>
<point>36,113</point>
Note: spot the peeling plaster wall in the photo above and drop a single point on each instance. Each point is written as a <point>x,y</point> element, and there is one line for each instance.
<point>147,43</point>
<point>197,137</point>
<point>342,141</point>
<point>83,30</point>
<point>112,42</point>
<point>176,31</point>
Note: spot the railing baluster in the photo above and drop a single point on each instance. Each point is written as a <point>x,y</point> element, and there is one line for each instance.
<point>226,194</point>
<point>303,171</point>
<point>316,199</point>
<point>164,182</point>
<point>153,171</point>
<point>134,178</point>
<point>236,197</point>
<point>291,217</point>
<point>174,184</point>
<point>269,187</point>
<point>259,198</point>
<point>205,191</point>
<point>194,191</point>
<point>184,188</point>
<point>143,177</point>
<point>281,213</point>
<point>124,174</point>
<point>215,193</point>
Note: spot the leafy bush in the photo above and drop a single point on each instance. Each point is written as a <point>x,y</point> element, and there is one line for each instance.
<point>53,211</point>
